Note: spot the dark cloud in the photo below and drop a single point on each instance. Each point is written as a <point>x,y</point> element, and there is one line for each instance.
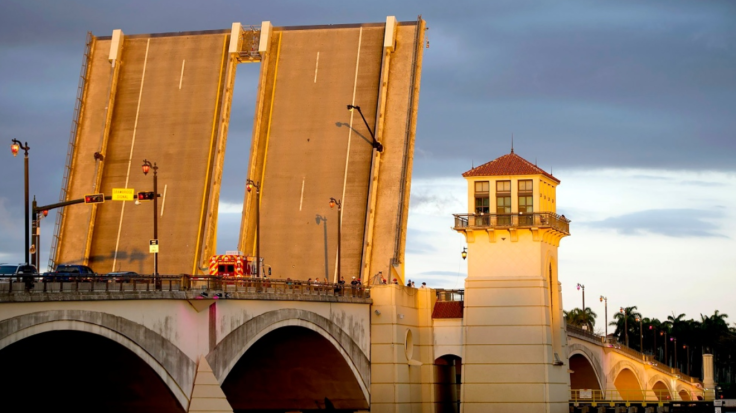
<point>581,85</point>
<point>678,223</point>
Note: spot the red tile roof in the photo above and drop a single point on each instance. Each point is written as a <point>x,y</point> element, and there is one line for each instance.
<point>511,164</point>
<point>448,309</point>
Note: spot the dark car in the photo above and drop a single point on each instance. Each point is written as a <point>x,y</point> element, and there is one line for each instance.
<point>66,272</point>
<point>28,273</point>
<point>120,276</point>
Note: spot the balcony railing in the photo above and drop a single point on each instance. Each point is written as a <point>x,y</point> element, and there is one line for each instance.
<point>520,220</point>
<point>450,295</point>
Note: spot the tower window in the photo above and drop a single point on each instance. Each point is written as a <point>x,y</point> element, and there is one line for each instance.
<point>503,202</point>
<point>526,202</point>
<point>482,197</point>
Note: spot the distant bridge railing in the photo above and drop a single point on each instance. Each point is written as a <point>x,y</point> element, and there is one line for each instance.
<point>198,284</point>
<point>628,395</point>
<point>520,220</point>
<point>589,336</point>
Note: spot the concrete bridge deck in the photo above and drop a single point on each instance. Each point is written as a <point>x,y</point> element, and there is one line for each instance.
<point>313,343</point>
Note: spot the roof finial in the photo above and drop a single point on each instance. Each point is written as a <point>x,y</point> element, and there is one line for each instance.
<point>512,142</point>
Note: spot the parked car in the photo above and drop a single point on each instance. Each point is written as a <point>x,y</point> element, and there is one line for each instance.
<point>67,272</point>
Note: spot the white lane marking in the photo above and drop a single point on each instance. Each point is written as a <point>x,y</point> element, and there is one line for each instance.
<point>302,197</point>
<point>350,135</point>
<point>181,77</point>
<point>130,157</point>
<point>163,201</point>
<point>316,66</point>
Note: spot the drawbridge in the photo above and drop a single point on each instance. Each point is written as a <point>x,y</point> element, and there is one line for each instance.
<point>167,97</point>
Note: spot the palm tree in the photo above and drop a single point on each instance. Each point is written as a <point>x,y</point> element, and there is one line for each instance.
<point>625,320</point>
<point>580,318</point>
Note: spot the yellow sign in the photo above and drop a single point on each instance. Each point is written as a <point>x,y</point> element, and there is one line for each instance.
<point>123,194</point>
<point>153,246</point>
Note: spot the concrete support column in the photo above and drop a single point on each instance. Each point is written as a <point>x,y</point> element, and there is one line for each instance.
<point>709,385</point>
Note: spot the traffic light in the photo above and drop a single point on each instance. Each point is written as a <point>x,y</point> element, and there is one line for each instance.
<point>145,196</point>
<point>94,198</point>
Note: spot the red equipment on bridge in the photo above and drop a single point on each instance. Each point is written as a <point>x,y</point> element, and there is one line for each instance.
<point>231,265</point>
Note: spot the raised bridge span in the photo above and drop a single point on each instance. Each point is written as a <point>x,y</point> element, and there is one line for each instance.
<point>166,98</point>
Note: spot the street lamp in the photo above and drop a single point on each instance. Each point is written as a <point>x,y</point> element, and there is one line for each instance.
<point>666,359</point>
<point>581,286</point>
<point>147,166</point>
<point>249,185</point>
<point>376,145</point>
<point>654,341</point>
<point>464,254</point>
<point>605,300</point>
<point>675,340</point>
<point>14,148</point>
<point>688,357</point>
<point>626,323</point>
<point>337,202</point>
<point>641,334</point>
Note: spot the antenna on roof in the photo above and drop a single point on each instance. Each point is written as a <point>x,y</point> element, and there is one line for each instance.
<point>512,142</point>
<point>472,165</point>
<point>535,161</point>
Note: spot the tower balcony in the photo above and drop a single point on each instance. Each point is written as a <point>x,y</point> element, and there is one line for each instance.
<point>533,221</point>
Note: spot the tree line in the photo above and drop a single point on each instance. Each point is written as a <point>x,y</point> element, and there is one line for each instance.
<point>676,341</point>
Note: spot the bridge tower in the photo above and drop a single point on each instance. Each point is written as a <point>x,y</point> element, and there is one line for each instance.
<point>515,344</point>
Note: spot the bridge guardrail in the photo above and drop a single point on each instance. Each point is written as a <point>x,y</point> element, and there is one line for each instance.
<point>627,395</point>
<point>578,332</point>
<point>102,283</point>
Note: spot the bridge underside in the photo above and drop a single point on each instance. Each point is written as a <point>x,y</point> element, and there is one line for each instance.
<point>77,371</point>
<point>167,97</point>
<point>293,368</point>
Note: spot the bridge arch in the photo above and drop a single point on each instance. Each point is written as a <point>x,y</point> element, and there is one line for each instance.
<point>684,394</point>
<point>660,384</point>
<point>230,349</point>
<point>581,350</point>
<point>626,378</point>
<point>174,368</point>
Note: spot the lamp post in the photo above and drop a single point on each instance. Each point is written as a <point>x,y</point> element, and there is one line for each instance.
<point>376,145</point>
<point>666,359</point>
<point>688,357</point>
<point>147,166</point>
<point>641,334</point>
<point>626,323</point>
<point>337,202</point>
<point>249,185</point>
<point>14,148</point>
<point>675,340</point>
<point>654,340</point>
<point>581,286</point>
<point>605,300</point>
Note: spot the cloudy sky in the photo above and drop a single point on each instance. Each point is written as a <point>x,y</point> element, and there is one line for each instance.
<point>630,104</point>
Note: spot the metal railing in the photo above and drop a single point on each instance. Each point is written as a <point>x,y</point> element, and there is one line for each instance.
<point>50,283</point>
<point>627,395</point>
<point>450,295</point>
<point>520,220</point>
<point>78,106</point>
<point>579,332</point>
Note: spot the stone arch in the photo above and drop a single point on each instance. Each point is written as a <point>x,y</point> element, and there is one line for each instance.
<point>658,378</point>
<point>593,359</point>
<point>683,393</point>
<point>168,361</point>
<point>230,349</point>
<point>617,370</point>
